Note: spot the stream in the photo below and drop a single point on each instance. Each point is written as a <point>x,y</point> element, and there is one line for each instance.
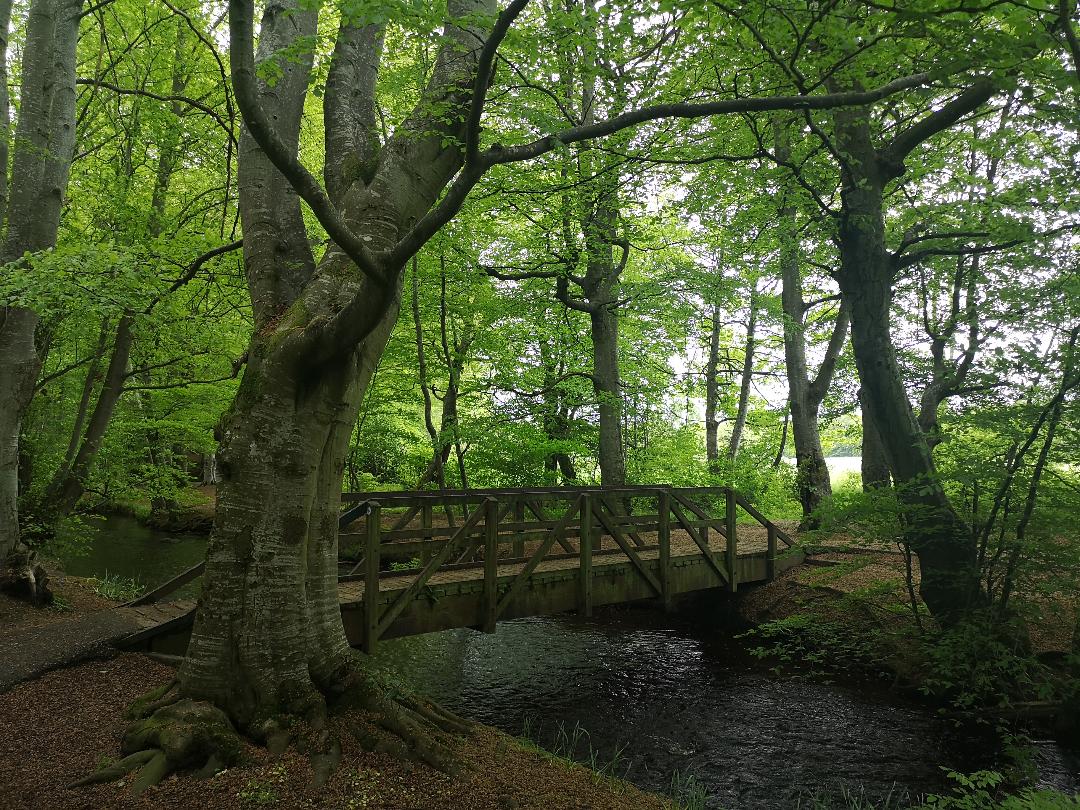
<point>650,694</point>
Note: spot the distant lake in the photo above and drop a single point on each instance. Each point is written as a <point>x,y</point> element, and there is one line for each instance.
<point>839,466</point>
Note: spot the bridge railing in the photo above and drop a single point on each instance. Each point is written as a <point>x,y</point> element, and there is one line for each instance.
<point>428,535</point>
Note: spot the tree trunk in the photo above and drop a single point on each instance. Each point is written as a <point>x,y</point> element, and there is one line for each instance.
<point>946,551</point>
<point>812,473</point>
<point>712,391</point>
<point>440,451</point>
<point>44,144</point>
<point>89,384</point>
<point>605,342</point>
<point>805,395</point>
<point>69,484</point>
<point>268,638</point>
<point>874,468</point>
<point>555,417</point>
<point>747,379</point>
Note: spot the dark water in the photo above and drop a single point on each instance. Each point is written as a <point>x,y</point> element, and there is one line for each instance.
<point>120,546</point>
<point>671,694</point>
<point>658,694</point>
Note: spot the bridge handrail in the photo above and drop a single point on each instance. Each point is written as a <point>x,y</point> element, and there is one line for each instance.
<point>612,522</point>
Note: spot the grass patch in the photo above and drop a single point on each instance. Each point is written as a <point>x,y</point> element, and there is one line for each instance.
<point>116,588</point>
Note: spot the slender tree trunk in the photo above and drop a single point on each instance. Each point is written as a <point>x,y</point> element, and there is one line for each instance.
<point>68,486</point>
<point>605,342</point>
<point>805,395</point>
<point>554,415</point>
<point>747,378</point>
<point>778,459</point>
<point>89,384</point>
<point>440,451</point>
<point>712,391</point>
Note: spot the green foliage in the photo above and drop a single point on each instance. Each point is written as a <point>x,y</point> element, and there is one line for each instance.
<point>117,588</point>
<point>816,645</point>
<point>872,516</point>
<point>687,792</point>
<point>845,797</point>
<point>984,663</point>
<point>572,744</point>
<point>982,790</point>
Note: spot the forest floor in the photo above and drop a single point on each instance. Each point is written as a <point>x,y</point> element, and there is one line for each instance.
<point>65,723</point>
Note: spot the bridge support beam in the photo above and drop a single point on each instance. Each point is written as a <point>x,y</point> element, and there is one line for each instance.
<point>371,577</point>
<point>585,551</point>
<point>664,538</point>
<point>732,552</point>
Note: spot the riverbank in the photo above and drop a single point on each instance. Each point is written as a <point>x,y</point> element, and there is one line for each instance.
<point>66,723</point>
<point>850,610</point>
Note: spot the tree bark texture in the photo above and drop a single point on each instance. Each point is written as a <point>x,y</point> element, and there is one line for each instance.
<point>874,468</point>
<point>746,380</point>
<point>805,394</point>
<point>69,484</point>
<point>43,147</point>
<point>950,579</point>
<point>712,390</point>
<point>268,637</point>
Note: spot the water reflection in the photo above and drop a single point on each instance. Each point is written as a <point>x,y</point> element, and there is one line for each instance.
<point>121,546</point>
<point>685,697</point>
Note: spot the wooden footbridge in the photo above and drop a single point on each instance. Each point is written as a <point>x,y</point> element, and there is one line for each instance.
<point>417,562</point>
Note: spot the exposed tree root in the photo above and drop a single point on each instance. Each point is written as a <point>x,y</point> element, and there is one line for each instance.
<point>405,726</point>
<point>22,576</point>
<point>170,732</point>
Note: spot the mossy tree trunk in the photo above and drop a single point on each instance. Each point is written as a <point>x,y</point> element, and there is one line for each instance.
<point>805,393</point>
<point>268,638</point>
<point>950,583</point>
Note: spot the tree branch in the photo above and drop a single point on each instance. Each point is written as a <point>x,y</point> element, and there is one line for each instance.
<point>198,105</point>
<point>1065,19</point>
<point>193,270</point>
<point>242,61</point>
<point>980,91</point>
<point>483,77</point>
<point>48,378</point>
<point>821,382</point>
<point>498,154</point>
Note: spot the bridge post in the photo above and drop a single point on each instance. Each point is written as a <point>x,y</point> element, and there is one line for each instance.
<point>663,511</point>
<point>371,577</point>
<point>491,563</point>
<point>519,535</point>
<point>770,556</point>
<point>425,523</point>
<point>732,554</point>
<point>585,556</point>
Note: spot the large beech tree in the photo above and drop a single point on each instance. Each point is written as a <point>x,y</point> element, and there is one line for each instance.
<point>31,199</point>
<point>268,642</point>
